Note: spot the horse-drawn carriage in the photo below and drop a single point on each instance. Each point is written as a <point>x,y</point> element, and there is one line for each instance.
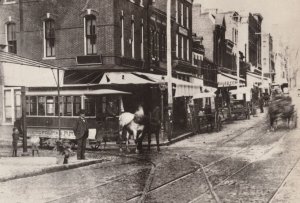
<point>207,115</point>
<point>239,108</point>
<point>282,112</point>
<point>240,103</point>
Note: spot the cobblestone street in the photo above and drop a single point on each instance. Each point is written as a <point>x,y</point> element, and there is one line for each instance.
<point>244,162</point>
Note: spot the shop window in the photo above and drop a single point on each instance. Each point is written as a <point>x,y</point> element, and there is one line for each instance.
<point>18,108</point>
<point>50,107</point>
<point>90,35</point>
<point>7,106</point>
<point>11,38</point>
<point>67,104</point>
<point>49,40</point>
<point>76,105</point>
<point>41,106</point>
<point>90,106</point>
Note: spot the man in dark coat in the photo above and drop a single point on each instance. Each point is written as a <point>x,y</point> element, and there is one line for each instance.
<point>81,132</point>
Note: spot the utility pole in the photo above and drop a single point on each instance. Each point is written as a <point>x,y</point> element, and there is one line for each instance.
<point>169,68</point>
<point>58,103</point>
<point>23,120</point>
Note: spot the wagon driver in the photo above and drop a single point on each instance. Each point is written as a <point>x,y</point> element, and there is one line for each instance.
<point>81,132</point>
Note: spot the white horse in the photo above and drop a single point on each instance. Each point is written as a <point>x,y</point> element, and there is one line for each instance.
<point>131,124</point>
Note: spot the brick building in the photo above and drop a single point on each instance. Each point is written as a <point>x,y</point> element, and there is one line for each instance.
<point>250,39</point>
<point>268,63</point>
<point>75,33</point>
<point>182,39</point>
<point>212,26</point>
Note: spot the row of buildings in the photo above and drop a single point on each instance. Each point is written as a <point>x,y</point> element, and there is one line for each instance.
<point>91,40</point>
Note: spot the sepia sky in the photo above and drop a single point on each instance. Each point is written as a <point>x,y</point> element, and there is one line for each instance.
<point>281,17</point>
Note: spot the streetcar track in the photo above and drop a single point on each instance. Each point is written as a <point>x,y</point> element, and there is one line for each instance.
<point>251,144</point>
<point>283,182</point>
<point>110,180</point>
<point>282,135</point>
<point>193,172</point>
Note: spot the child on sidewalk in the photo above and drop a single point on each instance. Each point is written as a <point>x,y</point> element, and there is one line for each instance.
<point>35,144</point>
<point>15,136</point>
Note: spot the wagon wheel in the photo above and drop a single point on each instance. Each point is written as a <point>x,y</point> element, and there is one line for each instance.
<point>96,145</point>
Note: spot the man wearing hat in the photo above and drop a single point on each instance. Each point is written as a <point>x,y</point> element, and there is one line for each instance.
<point>81,132</point>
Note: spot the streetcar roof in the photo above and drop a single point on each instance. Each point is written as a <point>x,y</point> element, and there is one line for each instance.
<point>76,92</point>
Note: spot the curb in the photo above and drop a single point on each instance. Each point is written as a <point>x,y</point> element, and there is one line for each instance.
<point>52,169</point>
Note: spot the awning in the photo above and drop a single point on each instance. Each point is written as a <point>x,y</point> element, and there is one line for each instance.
<point>204,95</point>
<point>20,71</point>
<point>183,88</point>
<point>241,90</point>
<point>255,80</point>
<point>76,92</point>
<point>29,76</point>
<point>228,80</point>
<point>123,78</point>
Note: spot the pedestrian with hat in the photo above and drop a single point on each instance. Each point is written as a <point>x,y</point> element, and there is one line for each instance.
<point>81,132</point>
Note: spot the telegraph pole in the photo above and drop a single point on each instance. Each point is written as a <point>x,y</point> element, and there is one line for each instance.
<point>169,69</point>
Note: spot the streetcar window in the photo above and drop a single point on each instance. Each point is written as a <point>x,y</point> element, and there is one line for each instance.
<point>76,105</point>
<point>41,106</point>
<point>56,106</point>
<point>67,105</point>
<point>33,106</point>
<point>49,106</point>
<point>27,105</point>
<point>90,106</point>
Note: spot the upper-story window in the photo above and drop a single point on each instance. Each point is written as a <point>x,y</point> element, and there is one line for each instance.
<point>11,37</point>
<point>187,17</point>
<point>122,33</point>
<point>49,38</point>
<point>142,40</point>
<point>132,38</point>
<point>176,10</point>
<point>90,35</point>
<point>181,13</point>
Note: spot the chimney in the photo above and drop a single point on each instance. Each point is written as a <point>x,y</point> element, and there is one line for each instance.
<point>197,10</point>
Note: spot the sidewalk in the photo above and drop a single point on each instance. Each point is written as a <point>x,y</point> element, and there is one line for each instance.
<point>21,167</point>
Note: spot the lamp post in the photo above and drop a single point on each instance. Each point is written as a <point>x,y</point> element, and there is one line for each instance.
<point>162,87</point>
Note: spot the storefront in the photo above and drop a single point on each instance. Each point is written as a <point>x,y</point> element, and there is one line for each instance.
<point>17,72</point>
<point>226,82</point>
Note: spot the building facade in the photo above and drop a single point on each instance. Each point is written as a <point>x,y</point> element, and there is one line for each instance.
<point>250,39</point>
<point>268,64</point>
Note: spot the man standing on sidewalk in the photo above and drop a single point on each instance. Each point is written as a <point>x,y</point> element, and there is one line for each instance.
<point>261,103</point>
<point>81,132</point>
